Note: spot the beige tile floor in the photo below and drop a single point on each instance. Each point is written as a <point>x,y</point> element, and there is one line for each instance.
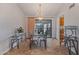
<point>24,49</point>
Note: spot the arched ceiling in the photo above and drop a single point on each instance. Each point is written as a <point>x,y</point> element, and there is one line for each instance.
<point>48,9</point>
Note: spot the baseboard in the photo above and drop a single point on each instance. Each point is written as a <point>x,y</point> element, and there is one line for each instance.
<point>4,52</point>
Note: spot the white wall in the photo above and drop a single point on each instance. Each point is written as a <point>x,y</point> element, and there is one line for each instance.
<point>11,17</point>
<point>71,17</point>
<point>54,28</point>
<point>26,26</point>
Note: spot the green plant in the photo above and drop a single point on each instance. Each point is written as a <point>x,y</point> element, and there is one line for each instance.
<point>20,30</point>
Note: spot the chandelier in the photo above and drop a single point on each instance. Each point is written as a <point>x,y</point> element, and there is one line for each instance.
<point>40,11</point>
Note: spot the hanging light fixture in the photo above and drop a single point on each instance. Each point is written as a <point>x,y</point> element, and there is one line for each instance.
<point>40,17</point>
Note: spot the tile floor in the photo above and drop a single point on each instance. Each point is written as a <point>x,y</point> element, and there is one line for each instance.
<point>55,49</point>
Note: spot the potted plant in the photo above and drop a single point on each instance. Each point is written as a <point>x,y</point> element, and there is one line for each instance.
<point>20,30</point>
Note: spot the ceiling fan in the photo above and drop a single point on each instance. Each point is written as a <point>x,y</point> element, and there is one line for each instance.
<point>72,5</point>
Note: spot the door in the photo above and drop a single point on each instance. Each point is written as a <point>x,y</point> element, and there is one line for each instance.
<point>61,29</point>
<point>31,24</point>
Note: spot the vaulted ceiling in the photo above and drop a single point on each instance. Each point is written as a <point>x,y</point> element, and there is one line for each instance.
<point>48,9</point>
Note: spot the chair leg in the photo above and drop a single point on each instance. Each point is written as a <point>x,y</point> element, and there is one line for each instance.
<point>45,44</point>
<point>60,43</point>
<point>30,45</point>
<point>40,43</point>
<point>11,45</point>
<point>18,44</point>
